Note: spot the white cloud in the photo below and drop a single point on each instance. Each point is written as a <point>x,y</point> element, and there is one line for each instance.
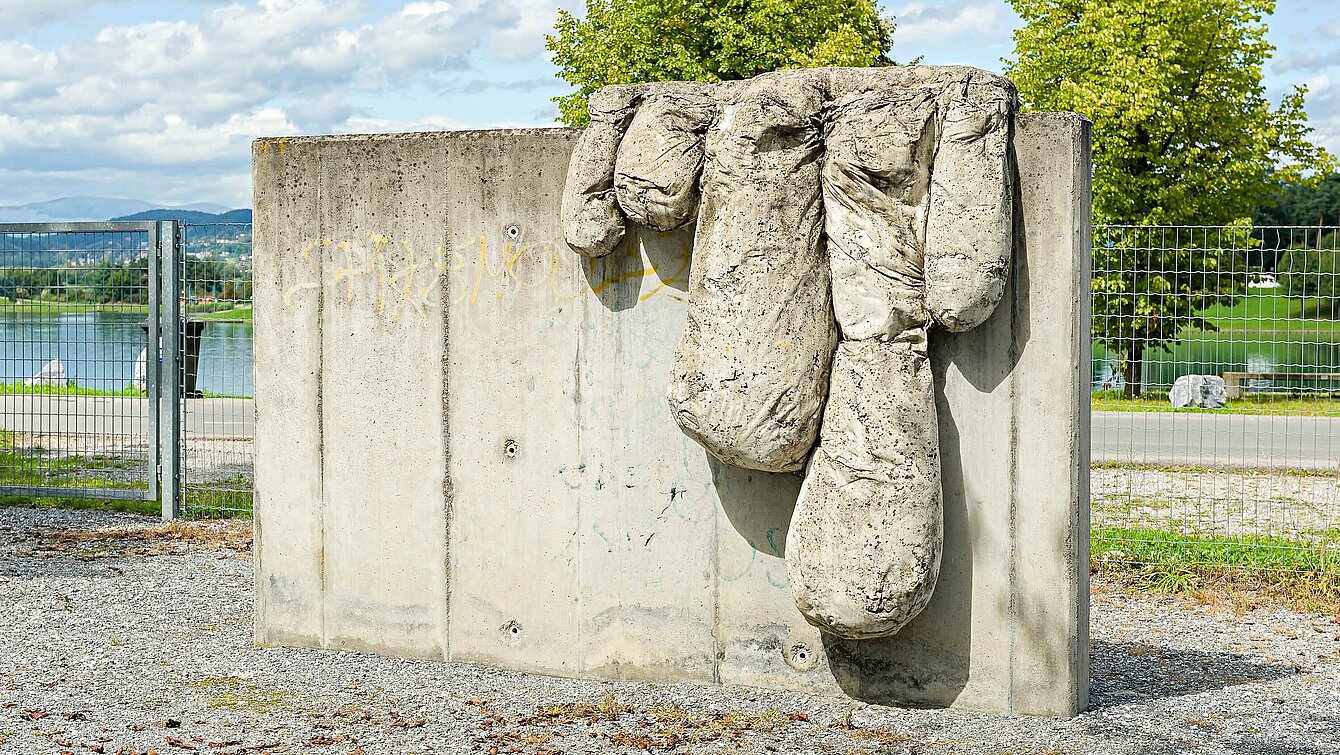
<point>183,98</point>
<point>928,23</point>
<point>22,15</point>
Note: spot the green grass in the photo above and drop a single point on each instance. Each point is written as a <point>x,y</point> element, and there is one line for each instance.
<point>1269,311</point>
<point>240,313</point>
<point>1253,552</point>
<point>1202,469</point>
<point>219,499</point>
<point>1251,403</point>
<point>40,306</point>
<point>30,469</point>
<point>20,389</point>
<point>209,311</point>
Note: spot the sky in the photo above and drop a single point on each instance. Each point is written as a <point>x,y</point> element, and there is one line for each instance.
<point>159,99</point>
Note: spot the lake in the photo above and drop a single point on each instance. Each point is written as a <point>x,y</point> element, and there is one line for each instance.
<point>99,350</point>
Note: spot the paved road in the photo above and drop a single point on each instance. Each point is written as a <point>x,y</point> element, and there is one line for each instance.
<point>1221,440</point>
<point>120,416</point>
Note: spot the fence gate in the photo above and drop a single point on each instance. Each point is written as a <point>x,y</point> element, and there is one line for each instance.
<point>89,315</point>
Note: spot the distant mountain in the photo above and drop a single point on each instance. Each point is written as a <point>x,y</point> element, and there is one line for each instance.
<point>210,207</point>
<point>71,209</point>
<point>193,217</point>
<point>84,209</point>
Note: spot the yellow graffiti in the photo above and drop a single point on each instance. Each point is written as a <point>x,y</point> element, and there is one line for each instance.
<point>401,281</point>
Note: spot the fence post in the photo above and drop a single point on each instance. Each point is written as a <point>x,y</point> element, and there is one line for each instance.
<point>153,388</point>
<point>170,379</point>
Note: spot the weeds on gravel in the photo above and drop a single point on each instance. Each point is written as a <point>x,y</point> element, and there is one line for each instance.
<point>232,693</point>
<point>1225,587</point>
<point>153,540</point>
<point>657,728</point>
<point>1237,573</point>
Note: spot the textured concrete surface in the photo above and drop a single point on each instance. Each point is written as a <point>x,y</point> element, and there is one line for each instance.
<point>510,489</point>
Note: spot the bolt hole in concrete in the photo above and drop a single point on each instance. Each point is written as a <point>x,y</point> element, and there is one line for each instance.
<point>509,448</point>
<point>511,628</point>
<point>513,232</point>
<point>800,657</point>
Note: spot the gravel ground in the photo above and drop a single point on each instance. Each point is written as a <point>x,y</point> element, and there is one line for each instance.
<point>1213,502</point>
<point>138,645</point>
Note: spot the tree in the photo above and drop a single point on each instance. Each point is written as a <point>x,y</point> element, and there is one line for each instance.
<point>1300,204</point>
<point>636,41</point>
<point>1182,135</point>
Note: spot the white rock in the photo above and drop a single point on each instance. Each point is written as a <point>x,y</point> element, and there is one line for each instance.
<point>1200,391</point>
<point>141,379</point>
<point>52,373</point>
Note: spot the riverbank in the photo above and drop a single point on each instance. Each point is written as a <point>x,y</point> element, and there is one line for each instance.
<point>209,311</point>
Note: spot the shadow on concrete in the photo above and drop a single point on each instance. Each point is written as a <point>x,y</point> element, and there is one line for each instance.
<point>618,279</point>
<point>757,504</point>
<point>1122,673</point>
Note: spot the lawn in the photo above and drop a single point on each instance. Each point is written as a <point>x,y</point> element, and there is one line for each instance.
<point>41,307</point>
<point>22,389</point>
<point>1269,311</point>
<point>1250,403</point>
<point>209,311</point>
<point>240,313</point>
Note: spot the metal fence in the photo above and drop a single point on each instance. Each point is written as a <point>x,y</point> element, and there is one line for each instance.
<point>79,391</point>
<point>1253,481</point>
<point>127,365</point>
<point>215,270</point>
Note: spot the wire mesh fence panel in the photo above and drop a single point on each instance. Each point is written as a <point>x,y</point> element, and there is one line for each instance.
<point>216,376</point>
<point>76,415</point>
<point>1216,396</point>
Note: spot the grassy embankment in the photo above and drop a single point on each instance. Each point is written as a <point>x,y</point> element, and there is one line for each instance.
<point>209,312</point>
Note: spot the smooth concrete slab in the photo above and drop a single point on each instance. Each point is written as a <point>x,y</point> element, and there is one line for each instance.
<point>464,449</point>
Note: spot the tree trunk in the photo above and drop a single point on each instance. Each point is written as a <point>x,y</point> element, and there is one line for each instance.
<point>1135,364</point>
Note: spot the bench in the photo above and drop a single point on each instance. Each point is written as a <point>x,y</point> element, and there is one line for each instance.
<point>1233,380</point>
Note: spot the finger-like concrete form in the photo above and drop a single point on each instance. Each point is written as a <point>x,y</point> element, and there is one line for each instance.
<point>751,371</point>
<point>661,155</point>
<point>864,547</point>
<point>865,203</point>
<point>592,222</point>
<point>921,149</point>
<point>969,228</point>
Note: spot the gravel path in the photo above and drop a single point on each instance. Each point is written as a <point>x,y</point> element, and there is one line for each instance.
<point>1218,502</point>
<point>137,645</point>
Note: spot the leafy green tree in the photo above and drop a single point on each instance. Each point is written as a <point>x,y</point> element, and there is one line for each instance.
<point>636,41</point>
<point>1182,135</point>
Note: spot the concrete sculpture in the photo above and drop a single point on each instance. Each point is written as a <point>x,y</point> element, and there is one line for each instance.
<point>841,213</point>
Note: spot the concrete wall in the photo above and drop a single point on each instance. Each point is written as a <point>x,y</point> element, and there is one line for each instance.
<point>464,450</point>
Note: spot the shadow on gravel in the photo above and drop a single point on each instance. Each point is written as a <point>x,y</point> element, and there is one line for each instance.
<point>1129,672</point>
